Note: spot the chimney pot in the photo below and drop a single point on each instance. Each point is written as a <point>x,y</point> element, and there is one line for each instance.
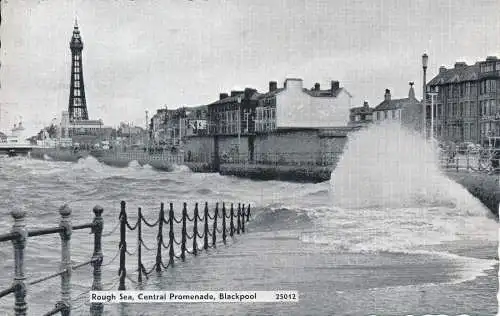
<point>387,96</point>
<point>334,86</point>
<point>273,86</point>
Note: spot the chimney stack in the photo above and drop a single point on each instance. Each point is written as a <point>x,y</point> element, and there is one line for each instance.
<point>441,69</point>
<point>273,86</point>
<point>334,86</point>
<point>387,96</point>
<point>316,86</point>
<point>223,96</point>
<point>365,104</point>
<point>460,64</point>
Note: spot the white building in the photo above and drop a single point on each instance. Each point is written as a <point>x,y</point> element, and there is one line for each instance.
<point>293,106</point>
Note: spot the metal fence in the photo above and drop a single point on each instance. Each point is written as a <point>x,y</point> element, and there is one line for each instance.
<point>232,221</point>
<point>483,160</point>
<point>19,236</point>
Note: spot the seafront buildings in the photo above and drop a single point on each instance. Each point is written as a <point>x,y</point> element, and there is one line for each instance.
<point>406,111</point>
<point>466,101</point>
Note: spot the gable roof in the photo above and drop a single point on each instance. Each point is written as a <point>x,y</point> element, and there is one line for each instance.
<point>454,75</point>
<point>395,104</point>
<point>231,99</point>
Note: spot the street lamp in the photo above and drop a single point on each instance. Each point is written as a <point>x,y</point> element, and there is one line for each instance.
<point>425,59</point>
<point>239,123</point>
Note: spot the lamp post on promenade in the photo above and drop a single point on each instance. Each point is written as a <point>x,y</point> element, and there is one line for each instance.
<point>425,59</point>
<point>239,123</point>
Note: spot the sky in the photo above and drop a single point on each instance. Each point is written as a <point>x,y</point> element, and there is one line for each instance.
<point>144,54</point>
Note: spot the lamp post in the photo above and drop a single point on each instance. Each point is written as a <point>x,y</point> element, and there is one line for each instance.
<point>425,59</point>
<point>239,123</point>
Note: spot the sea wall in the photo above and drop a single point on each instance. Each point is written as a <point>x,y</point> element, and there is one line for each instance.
<point>281,147</point>
<point>485,187</point>
<point>306,174</point>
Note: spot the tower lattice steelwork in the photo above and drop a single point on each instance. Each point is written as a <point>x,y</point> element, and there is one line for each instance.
<point>77,103</point>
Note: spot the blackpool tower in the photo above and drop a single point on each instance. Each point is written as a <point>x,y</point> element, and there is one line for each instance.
<point>77,106</point>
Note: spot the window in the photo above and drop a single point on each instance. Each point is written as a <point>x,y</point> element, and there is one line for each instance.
<point>77,92</point>
<point>76,76</point>
<point>385,115</point>
<point>393,114</point>
<point>77,84</point>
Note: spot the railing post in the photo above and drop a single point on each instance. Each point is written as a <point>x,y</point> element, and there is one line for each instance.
<point>457,162</point>
<point>195,229</point>
<point>224,222</point>
<point>65,223</point>
<point>122,271</point>
<point>231,223</point>
<point>205,237</point>
<point>139,245</point>
<point>468,160</point>
<point>96,309</point>
<point>243,219</point>
<point>214,231</point>
<point>159,237</point>
<point>171,235</point>
<point>19,227</point>
<point>184,232</point>
<point>248,213</point>
<point>238,217</point>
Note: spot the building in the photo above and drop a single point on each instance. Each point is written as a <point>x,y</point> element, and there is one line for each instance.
<point>196,121</point>
<point>466,100</point>
<point>361,116</point>
<point>233,114</point>
<point>296,107</point>
<point>407,111</point>
<point>170,127</point>
<point>157,122</point>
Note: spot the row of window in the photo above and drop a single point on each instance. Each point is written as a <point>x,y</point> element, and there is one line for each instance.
<point>265,125</point>
<point>487,67</point>
<point>388,114</point>
<point>465,89</point>
<point>264,113</point>
<point>490,129</point>
<point>364,117</point>
<point>466,109</point>
<point>487,86</point>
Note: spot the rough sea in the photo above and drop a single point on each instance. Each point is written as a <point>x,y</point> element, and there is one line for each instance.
<point>388,235</point>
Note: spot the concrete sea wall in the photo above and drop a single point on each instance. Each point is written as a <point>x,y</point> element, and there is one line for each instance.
<point>485,187</point>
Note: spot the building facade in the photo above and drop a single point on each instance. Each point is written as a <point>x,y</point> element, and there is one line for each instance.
<point>233,114</point>
<point>466,101</point>
<point>406,111</point>
<point>293,106</point>
<point>361,116</point>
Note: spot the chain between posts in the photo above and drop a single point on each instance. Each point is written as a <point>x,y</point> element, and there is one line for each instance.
<point>241,217</point>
